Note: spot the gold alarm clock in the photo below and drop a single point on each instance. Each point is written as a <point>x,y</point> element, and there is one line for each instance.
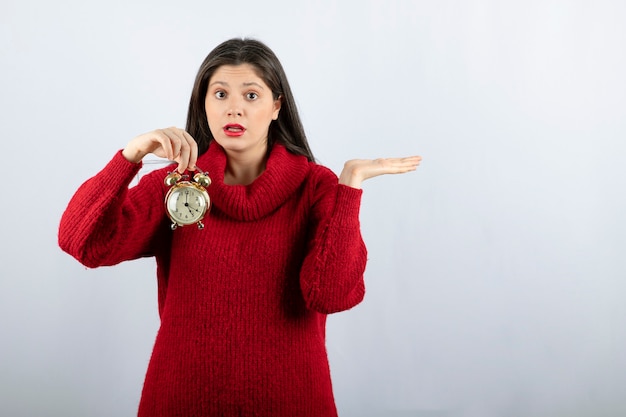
<point>187,202</point>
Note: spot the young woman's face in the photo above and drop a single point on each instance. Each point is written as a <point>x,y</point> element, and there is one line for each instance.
<point>239,108</point>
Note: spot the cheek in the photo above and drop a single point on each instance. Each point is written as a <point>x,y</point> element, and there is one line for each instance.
<point>212,120</point>
<point>208,109</point>
<point>211,113</point>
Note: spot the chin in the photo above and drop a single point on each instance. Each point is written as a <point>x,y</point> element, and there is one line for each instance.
<point>241,145</point>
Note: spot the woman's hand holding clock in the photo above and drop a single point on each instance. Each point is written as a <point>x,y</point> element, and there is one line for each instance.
<point>172,143</point>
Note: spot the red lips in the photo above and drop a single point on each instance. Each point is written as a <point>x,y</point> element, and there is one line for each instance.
<point>234,130</point>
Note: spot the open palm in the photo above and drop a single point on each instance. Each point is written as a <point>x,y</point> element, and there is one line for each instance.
<point>356,171</point>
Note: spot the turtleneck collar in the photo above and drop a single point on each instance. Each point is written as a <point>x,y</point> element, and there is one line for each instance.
<point>284,173</point>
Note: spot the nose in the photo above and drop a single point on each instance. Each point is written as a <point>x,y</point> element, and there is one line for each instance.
<point>234,108</point>
<point>234,112</point>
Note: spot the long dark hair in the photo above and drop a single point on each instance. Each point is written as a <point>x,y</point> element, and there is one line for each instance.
<point>286,130</point>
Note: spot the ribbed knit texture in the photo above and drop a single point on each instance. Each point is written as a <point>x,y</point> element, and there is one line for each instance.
<point>243,302</point>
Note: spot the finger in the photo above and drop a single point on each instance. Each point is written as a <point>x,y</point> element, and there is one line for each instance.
<point>390,165</point>
<point>394,165</point>
<point>184,150</point>
<point>414,159</point>
<point>180,147</point>
<point>404,163</point>
<point>175,141</point>
<point>193,146</point>
<point>400,169</point>
<point>164,143</point>
<point>407,160</point>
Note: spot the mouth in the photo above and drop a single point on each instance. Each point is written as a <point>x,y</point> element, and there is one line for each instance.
<point>234,130</point>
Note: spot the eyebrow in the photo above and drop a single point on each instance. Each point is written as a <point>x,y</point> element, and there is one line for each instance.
<point>248,84</point>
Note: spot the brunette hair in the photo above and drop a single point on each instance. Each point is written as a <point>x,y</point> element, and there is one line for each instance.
<point>286,130</point>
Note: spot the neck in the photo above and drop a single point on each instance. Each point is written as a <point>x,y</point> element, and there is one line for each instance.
<point>243,171</point>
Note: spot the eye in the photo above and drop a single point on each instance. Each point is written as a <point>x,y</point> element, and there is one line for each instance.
<point>220,94</point>
<point>252,96</point>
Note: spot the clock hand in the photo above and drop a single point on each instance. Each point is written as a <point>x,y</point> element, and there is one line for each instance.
<point>190,207</point>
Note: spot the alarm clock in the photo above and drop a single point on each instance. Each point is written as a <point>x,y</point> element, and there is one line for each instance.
<point>187,201</point>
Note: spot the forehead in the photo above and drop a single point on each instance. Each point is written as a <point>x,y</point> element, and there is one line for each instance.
<point>237,74</point>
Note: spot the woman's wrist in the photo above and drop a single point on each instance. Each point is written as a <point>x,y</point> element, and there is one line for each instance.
<point>350,177</point>
<point>132,155</point>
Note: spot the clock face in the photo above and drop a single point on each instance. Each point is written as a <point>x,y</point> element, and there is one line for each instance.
<point>186,203</point>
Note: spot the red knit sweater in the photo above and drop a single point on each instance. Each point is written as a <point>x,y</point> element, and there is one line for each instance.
<point>243,302</point>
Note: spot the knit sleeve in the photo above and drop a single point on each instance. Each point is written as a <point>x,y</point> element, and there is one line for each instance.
<point>106,223</point>
<point>332,274</point>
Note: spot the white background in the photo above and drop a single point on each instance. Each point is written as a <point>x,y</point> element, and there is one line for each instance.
<point>496,272</point>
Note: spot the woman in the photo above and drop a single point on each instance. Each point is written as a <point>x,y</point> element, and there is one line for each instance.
<point>243,302</point>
